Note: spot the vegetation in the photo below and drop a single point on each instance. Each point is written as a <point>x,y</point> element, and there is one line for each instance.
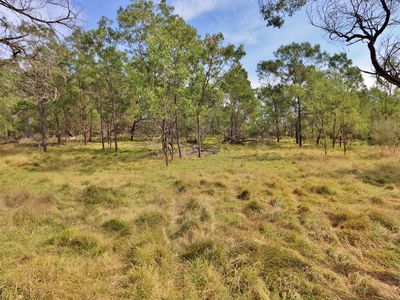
<point>312,227</point>
<point>285,191</point>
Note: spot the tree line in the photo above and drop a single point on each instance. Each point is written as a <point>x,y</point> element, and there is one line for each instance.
<point>150,69</point>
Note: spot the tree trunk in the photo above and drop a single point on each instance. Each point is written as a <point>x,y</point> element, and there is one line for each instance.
<point>102,133</point>
<point>85,133</point>
<point>198,134</point>
<point>319,137</point>
<point>164,142</point>
<point>58,130</point>
<point>109,134</point>
<point>115,138</point>
<point>278,133</point>
<point>42,115</point>
<point>91,126</point>
<point>299,131</point>
<point>133,129</point>
<point>177,134</point>
<point>334,133</point>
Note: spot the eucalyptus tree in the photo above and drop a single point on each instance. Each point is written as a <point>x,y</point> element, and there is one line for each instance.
<point>21,19</point>
<point>163,49</point>
<point>275,105</point>
<point>240,103</point>
<point>371,22</point>
<point>321,92</point>
<point>40,78</point>
<point>81,72</point>
<point>111,70</point>
<point>8,96</point>
<point>214,62</point>
<point>348,79</point>
<point>291,66</point>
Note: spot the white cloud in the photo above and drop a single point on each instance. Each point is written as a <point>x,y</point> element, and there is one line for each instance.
<point>190,9</point>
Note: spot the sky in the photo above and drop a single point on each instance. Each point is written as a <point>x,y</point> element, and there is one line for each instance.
<point>241,23</point>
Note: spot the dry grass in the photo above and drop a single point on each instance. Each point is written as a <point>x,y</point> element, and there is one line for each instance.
<point>251,222</point>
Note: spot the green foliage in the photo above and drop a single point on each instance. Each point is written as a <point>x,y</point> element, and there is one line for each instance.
<point>386,133</point>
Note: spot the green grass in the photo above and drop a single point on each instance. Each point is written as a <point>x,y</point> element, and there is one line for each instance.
<point>251,222</point>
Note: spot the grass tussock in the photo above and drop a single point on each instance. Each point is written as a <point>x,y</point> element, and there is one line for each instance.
<point>116,226</point>
<point>78,241</point>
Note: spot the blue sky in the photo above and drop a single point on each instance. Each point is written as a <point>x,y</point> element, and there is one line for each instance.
<point>240,22</point>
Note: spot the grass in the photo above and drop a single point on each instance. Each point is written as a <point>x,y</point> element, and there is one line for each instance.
<point>251,222</point>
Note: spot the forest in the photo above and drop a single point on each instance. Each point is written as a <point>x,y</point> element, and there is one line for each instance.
<point>139,161</point>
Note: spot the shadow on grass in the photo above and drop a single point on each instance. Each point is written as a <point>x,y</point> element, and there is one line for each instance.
<point>383,175</point>
<point>259,157</point>
<point>85,160</point>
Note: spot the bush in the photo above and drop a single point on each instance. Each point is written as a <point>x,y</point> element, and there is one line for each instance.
<point>386,133</point>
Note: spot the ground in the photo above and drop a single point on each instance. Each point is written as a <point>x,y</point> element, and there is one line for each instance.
<point>251,222</point>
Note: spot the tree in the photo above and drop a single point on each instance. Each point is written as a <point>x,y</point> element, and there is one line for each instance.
<point>352,21</point>
<point>240,102</point>
<point>18,19</point>
<point>215,61</point>
<point>276,103</point>
<point>111,70</point>
<point>163,61</point>
<point>291,66</point>
<point>39,79</point>
<point>82,72</point>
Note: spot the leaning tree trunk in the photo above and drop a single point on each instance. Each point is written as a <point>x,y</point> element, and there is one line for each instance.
<point>42,116</point>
